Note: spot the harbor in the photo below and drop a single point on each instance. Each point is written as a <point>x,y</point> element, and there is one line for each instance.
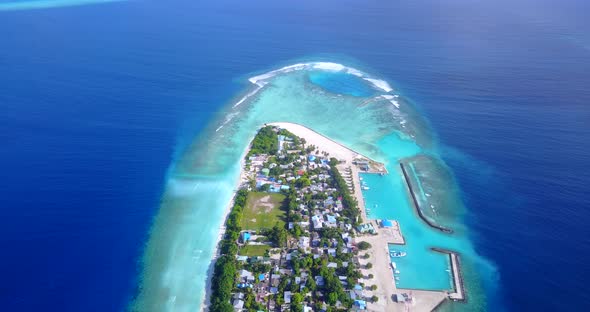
<point>407,275</point>
<point>420,280</point>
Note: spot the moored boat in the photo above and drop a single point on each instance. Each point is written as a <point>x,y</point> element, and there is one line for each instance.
<point>397,254</point>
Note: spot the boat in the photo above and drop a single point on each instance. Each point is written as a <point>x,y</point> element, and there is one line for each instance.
<point>397,254</point>
<point>397,272</point>
<point>393,265</point>
<point>365,187</point>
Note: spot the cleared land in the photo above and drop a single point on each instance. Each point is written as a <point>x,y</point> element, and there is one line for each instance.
<point>254,250</point>
<point>263,211</point>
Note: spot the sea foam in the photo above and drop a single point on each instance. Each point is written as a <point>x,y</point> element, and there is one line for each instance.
<point>325,66</point>
<point>185,232</point>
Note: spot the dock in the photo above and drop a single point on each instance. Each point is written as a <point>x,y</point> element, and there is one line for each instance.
<point>459,293</point>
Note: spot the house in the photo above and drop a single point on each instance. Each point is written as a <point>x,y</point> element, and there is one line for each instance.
<point>366,228</point>
<point>247,276</point>
<point>329,201</point>
<point>238,305</point>
<point>360,304</point>
<point>317,222</point>
<point>246,237</point>
<point>332,265</point>
<point>287,297</point>
<point>304,242</point>
<point>319,280</point>
<point>356,292</point>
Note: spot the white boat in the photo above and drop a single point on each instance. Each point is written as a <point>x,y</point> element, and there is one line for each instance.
<point>397,272</point>
<point>365,187</point>
<point>397,254</point>
<point>393,265</point>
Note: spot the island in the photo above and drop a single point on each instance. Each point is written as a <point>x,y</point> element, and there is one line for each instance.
<point>297,236</point>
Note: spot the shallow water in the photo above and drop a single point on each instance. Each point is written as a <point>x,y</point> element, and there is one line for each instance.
<point>203,179</point>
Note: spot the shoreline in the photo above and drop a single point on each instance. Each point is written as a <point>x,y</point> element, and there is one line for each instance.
<point>379,254</point>
<point>206,301</point>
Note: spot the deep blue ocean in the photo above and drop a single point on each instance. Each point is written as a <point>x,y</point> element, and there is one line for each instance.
<point>96,102</point>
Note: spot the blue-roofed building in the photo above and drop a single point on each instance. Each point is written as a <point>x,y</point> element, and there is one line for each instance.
<point>311,158</point>
<point>261,277</point>
<point>331,219</point>
<point>246,236</point>
<point>360,304</point>
<point>386,223</point>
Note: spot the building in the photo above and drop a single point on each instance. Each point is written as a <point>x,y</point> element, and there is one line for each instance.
<point>317,222</point>
<point>366,228</point>
<point>360,304</point>
<point>238,305</point>
<point>246,237</point>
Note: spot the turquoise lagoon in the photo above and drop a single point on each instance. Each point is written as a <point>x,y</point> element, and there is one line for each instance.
<point>421,268</point>
<point>346,104</point>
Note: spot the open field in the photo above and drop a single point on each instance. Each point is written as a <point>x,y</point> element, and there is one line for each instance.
<point>263,210</point>
<point>254,250</point>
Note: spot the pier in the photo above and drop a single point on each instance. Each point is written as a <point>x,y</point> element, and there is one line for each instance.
<point>417,205</point>
<point>459,293</point>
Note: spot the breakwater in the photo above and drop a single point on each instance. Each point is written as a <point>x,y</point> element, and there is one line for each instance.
<point>459,293</point>
<point>417,205</point>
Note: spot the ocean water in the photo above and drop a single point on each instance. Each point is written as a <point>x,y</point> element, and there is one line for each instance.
<point>101,105</point>
<point>12,5</point>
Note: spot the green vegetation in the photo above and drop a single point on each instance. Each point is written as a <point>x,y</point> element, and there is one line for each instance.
<point>278,235</point>
<point>363,245</point>
<point>334,288</point>
<point>254,250</point>
<point>226,266</point>
<point>350,204</point>
<point>265,142</point>
<point>263,211</point>
<point>268,213</point>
